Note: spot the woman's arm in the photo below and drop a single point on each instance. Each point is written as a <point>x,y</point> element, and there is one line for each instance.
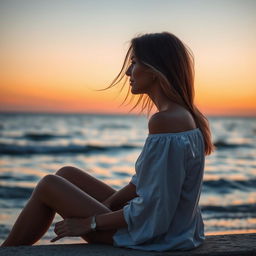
<point>111,220</point>
<point>82,226</point>
<point>115,219</point>
<point>119,198</point>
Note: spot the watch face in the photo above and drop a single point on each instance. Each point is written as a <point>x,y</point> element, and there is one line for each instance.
<point>93,224</point>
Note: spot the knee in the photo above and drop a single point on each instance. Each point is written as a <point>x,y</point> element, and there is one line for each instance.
<point>45,183</point>
<point>64,171</point>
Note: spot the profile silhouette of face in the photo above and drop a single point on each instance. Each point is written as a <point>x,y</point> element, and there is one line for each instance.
<point>141,78</point>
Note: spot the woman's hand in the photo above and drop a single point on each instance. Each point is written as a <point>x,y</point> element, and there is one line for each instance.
<point>72,227</point>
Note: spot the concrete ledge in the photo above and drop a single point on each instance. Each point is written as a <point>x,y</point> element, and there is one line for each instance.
<point>238,244</point>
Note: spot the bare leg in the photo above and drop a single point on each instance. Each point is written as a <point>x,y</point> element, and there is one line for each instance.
<point>95,188</point>
<point>52,194</point>
<point>34,211</point>
<point>89,184</point>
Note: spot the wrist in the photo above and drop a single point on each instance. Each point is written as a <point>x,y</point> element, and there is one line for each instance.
<point>111,220</point>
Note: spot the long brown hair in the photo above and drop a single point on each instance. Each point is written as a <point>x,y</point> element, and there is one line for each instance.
<point>173,63</point>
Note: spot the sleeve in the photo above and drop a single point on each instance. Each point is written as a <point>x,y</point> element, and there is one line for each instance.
<point>134,179</point>
<point>160,176</point>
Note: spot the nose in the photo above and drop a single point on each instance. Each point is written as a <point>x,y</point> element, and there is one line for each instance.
<point>128,71</point>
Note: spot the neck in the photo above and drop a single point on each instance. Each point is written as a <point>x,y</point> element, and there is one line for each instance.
<point>161,101</point>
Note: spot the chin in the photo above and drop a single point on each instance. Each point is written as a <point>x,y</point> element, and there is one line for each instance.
<point>136,91</point>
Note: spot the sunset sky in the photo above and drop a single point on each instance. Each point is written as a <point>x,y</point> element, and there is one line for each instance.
<point>56,53</point>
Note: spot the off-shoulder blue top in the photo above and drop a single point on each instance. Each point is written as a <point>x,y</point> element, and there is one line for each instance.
<point>168,180</point>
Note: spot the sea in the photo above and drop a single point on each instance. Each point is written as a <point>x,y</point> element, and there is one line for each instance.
<point>107,146</point>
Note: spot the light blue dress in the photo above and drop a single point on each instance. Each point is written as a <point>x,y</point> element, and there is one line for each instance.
<point>168,180</point>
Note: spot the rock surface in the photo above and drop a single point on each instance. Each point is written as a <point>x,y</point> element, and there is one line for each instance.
<point>237,244</point>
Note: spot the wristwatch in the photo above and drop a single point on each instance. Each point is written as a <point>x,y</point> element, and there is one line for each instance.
<point>93,223</point>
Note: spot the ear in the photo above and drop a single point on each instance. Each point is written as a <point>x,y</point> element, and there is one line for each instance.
<point>152,74</point>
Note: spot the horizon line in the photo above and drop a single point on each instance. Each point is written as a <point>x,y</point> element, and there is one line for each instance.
<point>112,113</point>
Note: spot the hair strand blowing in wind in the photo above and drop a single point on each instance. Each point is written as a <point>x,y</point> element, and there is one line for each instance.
<point>172,62</point>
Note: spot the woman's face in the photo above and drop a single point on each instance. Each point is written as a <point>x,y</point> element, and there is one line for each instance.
<point>140,77</point>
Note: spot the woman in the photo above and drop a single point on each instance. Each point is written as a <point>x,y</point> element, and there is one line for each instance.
<point>158,210</point>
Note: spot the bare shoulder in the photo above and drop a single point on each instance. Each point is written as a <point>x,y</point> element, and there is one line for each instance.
<point>171,122</point>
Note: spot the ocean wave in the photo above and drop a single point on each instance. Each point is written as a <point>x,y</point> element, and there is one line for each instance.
<point>7,192</point>
<point>220,144</point>
<point>18,178</point>
<point>43,136</point>
<point>11,203</point>
<point>230,209</point>
<point>8,149</point>
<point>114,126</point>
<point>4,231</point>
<point>222,185</point>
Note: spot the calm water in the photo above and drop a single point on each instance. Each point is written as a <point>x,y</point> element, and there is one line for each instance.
<point>33,145</point>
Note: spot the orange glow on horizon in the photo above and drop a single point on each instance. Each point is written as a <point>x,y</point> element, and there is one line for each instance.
<point>44,84</point>
<point>28,96</point>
